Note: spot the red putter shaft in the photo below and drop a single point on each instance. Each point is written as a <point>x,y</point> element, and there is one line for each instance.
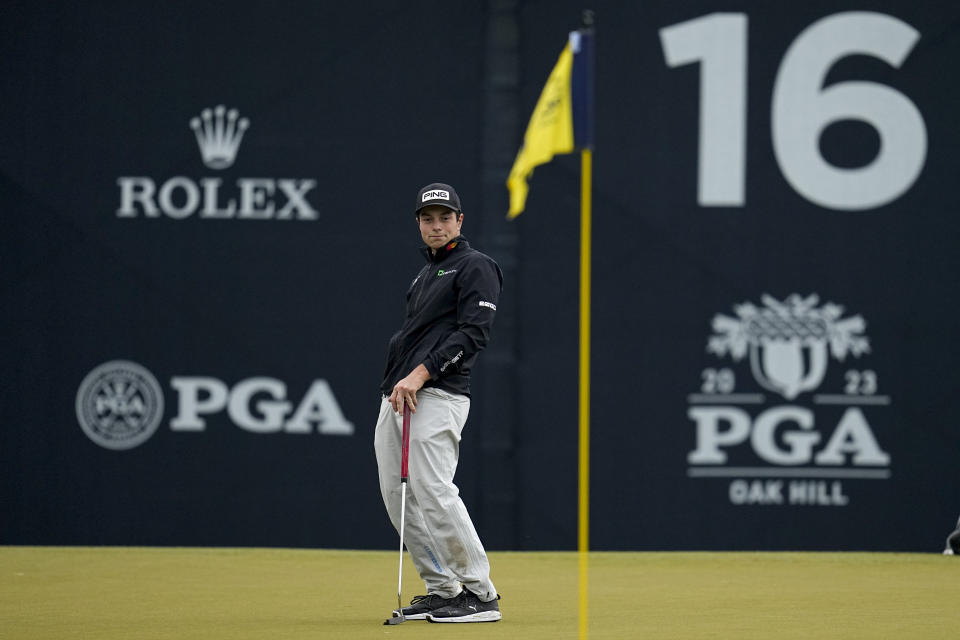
<point>405,447</point>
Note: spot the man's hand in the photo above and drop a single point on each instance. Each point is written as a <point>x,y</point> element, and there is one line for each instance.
<point>405,391</point>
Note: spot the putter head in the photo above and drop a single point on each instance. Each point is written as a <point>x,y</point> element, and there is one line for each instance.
<point>396,619</point>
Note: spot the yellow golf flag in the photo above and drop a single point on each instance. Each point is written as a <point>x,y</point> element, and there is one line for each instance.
<point>550,130</point>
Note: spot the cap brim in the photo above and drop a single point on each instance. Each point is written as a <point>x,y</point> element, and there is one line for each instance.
<point>438,203</point>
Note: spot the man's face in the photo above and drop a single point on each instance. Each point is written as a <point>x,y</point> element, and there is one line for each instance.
<point>439,225</point>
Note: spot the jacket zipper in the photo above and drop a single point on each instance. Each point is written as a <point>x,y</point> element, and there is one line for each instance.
<point>423,285</point>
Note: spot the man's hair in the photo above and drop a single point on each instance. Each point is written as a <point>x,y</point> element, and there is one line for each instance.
<point>458,214</point>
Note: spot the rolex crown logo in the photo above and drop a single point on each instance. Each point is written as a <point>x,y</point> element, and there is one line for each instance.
<point>219,133</point>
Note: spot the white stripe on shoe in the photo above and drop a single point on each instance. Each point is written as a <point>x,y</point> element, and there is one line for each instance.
<point>480,616</point>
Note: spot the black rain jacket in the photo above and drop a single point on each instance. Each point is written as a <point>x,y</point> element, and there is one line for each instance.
<point>450,309</point>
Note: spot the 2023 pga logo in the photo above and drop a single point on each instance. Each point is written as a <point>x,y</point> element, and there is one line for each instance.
<point>120,405</point>
<point>788,441</point>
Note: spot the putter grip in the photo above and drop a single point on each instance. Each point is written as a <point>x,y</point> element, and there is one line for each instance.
<point>405,446</point>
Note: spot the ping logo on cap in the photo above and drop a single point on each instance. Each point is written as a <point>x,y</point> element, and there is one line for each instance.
<point>437,194</point>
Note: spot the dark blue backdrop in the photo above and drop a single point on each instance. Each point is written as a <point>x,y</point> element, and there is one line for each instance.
<point>260,296</point>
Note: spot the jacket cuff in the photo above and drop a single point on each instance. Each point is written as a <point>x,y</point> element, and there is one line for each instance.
<point>430,370</point>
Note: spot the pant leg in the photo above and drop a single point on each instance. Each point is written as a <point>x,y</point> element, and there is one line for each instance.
<point>388,439</point>
<point>434,453</point>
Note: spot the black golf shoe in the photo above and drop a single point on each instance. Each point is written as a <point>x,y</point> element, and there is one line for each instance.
<point>420,606</point>
<point>467,608</point>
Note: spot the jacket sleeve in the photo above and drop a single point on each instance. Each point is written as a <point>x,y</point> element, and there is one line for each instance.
<point>479,286</point>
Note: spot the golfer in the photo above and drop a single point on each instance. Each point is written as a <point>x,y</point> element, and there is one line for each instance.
<point>451,305</point>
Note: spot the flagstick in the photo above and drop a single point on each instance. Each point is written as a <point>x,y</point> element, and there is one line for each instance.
<point>583,537</point>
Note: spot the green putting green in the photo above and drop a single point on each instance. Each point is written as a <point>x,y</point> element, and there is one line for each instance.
<point>126,593</point>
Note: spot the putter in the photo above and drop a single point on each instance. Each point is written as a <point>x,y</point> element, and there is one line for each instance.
<point>404,454</point>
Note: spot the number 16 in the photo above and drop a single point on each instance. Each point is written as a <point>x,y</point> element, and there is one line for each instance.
<point>802,108</point>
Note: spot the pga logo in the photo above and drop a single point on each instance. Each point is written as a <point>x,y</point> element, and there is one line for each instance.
<point>788,345</point>
<point>120,405</point>
<point>788,342</point>
<point>784,436</point>
<point>258,405</point>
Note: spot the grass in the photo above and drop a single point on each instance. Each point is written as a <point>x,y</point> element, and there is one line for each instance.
<point>127,593</point>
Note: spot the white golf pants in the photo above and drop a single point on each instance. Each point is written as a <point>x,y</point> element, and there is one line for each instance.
<point>438,532</point>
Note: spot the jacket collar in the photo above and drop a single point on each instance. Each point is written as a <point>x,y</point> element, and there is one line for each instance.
<point>457,243</point>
